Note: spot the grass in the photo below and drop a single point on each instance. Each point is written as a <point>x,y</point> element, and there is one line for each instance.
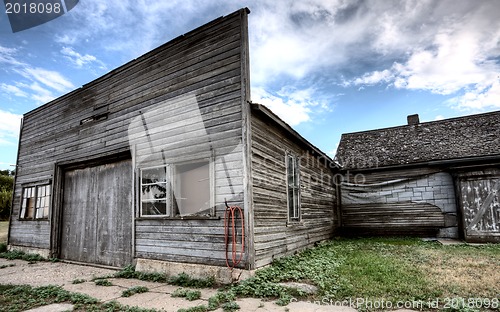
<point>102,282</point>
<point>17,254</point>
<point>182,279</point>
<point>134,290</point>
<point>390,269</point>
<point>20,298</point>
<point>190,295</point>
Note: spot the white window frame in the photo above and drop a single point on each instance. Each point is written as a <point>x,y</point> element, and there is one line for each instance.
<point>41,194</point>
<point>171,186</point>
<point>294,207</point>
<point>168,197</point>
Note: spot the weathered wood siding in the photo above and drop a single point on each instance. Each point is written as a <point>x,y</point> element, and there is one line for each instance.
<point>479,199</point>
<point>196,81</point>
<point>274,236</point>
<point>399,202</point>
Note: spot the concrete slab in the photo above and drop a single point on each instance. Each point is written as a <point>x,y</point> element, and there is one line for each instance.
<point>103,293</point>
<point>163,302</point>
<point>56,307</point>
<point>47,273</point>
<point>450,241</point>
<point>127,283</point>
<point>257,305</point>
<point>313,307</point>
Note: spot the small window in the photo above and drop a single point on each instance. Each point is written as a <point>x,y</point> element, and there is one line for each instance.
<point>154,197</point>
<point>177,190</point>
<point>293,187</point>
<point>35,202</point>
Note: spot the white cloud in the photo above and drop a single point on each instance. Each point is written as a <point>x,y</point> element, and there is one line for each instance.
<point>7,56</point>
<point>292,105</point>
<point>133,26</point>
<point>41,83</point>
<point>40,94</point>
<point>290,111</point>
<point>459,57</point>
<point>446,47</point>
<point>9,128</point>
<point>65,39</point>
<point>50,78</point>
<point>478,99</point>
<point>299,37</point>
<point>78,59</point>
<point>13,90</point>
<point>375,77</point>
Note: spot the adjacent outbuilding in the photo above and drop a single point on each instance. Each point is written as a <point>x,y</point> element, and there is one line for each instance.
<point>433,178</point>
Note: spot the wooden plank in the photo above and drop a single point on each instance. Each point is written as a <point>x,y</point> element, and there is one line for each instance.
<point>79,219</point>
<point>391,218</point>
<point>273,236</point>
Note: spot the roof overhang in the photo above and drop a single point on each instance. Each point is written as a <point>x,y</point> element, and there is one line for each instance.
<point>266,112</point>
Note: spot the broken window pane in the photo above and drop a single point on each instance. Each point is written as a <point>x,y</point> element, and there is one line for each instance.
<point>42,206</point>
<point>154,208</point>
<point>154,192</point>
<point>154,175</point>
<point>193,188</point>
<point>177,190</point>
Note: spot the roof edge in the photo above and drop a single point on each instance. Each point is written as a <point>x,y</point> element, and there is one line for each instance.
<point>424,123</point>
<point>476,161</point>
<point>268,113</point>
<point>140,58</point>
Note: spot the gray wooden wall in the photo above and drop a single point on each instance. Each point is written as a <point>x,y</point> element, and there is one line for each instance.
<point>399,202</point>
<point>273,235</point>
<point>199,83</point>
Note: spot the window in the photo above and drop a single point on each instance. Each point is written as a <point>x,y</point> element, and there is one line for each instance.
<point>35,202</point>
<point>177,190</point>
<point>293,187</point>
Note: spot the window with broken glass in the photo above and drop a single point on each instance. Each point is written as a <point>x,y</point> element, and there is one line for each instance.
<point>293,187</point>
<point>177,190</point>
<point>35,202</point>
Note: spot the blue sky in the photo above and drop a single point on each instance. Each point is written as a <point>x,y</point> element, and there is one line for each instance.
<point>324,66</point>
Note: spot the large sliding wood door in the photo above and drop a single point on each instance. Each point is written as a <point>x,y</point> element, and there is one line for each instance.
<point>97,214</point>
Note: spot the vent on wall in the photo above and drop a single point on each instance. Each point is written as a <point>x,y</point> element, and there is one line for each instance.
<point>94,118</point>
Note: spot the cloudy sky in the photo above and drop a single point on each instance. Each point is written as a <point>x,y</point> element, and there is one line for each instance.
<point>325,66</point>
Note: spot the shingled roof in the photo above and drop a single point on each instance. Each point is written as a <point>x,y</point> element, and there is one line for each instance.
<point>473,137</point>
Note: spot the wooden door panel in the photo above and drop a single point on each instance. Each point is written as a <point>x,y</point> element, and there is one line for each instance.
<point>97,214</point>
<point>480,200</point>
<point>114,226</point>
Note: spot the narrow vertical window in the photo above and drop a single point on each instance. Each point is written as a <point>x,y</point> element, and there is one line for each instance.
<point>293,187</point>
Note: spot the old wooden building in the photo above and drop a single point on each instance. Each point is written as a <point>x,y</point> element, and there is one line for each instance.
<point>434,178</point>
<point>136,166</point>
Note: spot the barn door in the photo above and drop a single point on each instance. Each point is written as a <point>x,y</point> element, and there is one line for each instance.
<point>480,201</point>
<point>97,214</point>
